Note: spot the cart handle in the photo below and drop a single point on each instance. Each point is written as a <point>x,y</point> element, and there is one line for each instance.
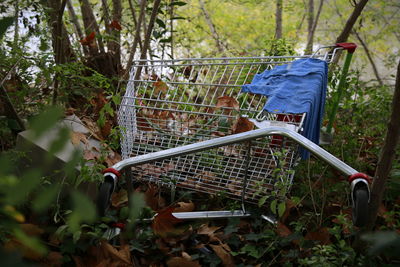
<point>350,47</point>
<point>236,138</point>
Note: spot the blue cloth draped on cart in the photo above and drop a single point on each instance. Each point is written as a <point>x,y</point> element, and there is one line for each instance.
<point>297,87</point>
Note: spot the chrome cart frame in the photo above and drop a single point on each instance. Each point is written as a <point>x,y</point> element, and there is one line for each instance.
<point>185,124</point>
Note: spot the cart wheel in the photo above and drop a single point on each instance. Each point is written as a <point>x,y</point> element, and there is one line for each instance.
<point>360,206</point>
<point>103,197</point>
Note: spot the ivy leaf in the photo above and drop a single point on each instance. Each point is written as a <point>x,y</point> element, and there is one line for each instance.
<point>160,23</point>
<point>281,208</point>
<point>4,24</point>
<point>178,3</point>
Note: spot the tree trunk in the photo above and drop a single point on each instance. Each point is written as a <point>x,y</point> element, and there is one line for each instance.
<point>153,16</point>
<point>171,16</point>
<point>77,26</point>
<point>211,25</point>
<point>137,37</point>
<point>369,56</point>
<point>135,21</point>
<point>63,51</point>
<point>387,156</point>
<point>278,20</point>
<point>344,35</point>
<point>114,45</point>
<point>310,23</point>
<point>90,23</point>
<point>312,26</point>
<point>16,25</point>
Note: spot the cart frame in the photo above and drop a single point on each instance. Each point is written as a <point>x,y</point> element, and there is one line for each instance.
<point>359,182</point>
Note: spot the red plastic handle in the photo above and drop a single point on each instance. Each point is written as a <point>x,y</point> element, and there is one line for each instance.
<point>360,176</point>
<point>350,47</point>
<point>112,170</point>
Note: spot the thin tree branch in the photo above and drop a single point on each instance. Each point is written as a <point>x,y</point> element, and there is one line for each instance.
<point>137,37</point>
<point>310,41</point>
<point>278,20</point>
<point>213,30</point>
<point>153,17</point>
<point>135,21</point>
<point>7,101</point>
<point>77,26</point>
<point>387,156</point>
<point>369,56</point>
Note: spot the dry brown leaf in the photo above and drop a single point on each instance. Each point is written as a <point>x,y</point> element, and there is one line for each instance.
<point>160,86</point>
<point>90,155</point>
<point>31,229</point>
<point>119,198</point>
<point>54,259</point>
<point>223,252</point>
<point>162,246</point>
<point>78,261</point>
<point>181,261</point>
<point>289,205</point>
<point>184,207</point>
<point>322,235</point>
<point>204,229</point>
<point>242,125</point>
<point>164,222</point>
<point>153,199</point>
<point>114,253</point>
<point>282,230</point>
<point>92,127</point>
<point>113,158</point>
<point>227,102</point>
<point>13,245</point>
<point>77,138</point>
<point>106,129</point>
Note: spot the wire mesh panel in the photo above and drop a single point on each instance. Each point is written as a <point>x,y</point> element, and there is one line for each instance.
<point>177,102</point>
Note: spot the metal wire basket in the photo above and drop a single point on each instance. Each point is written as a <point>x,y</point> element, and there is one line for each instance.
<point>185,123</point>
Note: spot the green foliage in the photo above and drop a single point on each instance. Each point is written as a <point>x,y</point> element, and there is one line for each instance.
<point>4,24</point>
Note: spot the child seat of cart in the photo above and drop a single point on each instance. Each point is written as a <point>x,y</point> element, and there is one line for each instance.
<point>294,88</point>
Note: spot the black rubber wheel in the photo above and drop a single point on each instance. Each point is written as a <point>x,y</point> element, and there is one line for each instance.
<point>103,197</point>
<point>360,206</point>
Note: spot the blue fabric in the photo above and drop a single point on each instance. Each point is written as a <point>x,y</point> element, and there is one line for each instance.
<point>297,87</point>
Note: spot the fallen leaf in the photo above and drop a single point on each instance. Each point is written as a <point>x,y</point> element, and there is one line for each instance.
<point>120,255</point>
<point>164,221</point>
<point>223,251</point>
<point>113,158</point>
<point>77,138</point>
<point>88,40</point>
<point>54,258</point>
<point>106,128</point>
<point>160,86</point>
<point>242,125</point>
<point>181,261</point>
<point>322,235</point>
<point>227,102</point>
<point>204,229</point>
<point>31,229</point>
<point>184,207</point>
<point>115,25</point>
<point>90,155</point>
<point>282,230</point>
<point>289,205</point>
<point>153,199</point>
<point>117,199</point>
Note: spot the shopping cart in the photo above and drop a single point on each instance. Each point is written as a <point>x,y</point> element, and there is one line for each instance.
<point>185,123</point>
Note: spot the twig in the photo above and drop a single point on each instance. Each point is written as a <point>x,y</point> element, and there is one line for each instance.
<point>7,100</point>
